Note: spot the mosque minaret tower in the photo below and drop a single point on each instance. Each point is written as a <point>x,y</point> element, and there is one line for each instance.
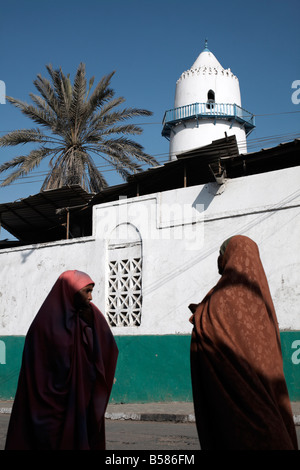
<point>207,107</point>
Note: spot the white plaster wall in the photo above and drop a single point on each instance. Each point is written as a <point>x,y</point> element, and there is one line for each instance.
<point>181,232</point>
<point>193,86</point>
<point>180,260</point>
<point>28,273</point>
<point>192,135</point>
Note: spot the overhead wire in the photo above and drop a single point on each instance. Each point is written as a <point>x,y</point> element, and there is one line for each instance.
<point>159,123</point>
<point>163,158</point>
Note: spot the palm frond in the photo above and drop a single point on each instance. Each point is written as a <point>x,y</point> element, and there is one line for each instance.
<point>62,91</point>
<point>47,92</point>
<point>91,83</point>
<point>97,182</point>
<point>107,107</point>
<point>22,136</point>
<point>101,94</point>
<point>132,129</point>
<point>128,147</point>
<point>78,105</point>
<point>40,117</point>
<point>120,162</point>
<point>27,164</point>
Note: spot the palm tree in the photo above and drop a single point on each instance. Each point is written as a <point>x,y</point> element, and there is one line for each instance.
<point>81,125</point>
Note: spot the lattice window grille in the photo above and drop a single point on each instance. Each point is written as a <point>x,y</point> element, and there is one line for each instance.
<point>125,292</point>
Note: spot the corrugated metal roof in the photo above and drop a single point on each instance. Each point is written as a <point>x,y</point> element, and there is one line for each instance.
<point>190,168</point>
<point>38,218</point>
<point>284,155</point>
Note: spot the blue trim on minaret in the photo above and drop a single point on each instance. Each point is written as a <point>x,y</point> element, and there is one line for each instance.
<point>210,111</point>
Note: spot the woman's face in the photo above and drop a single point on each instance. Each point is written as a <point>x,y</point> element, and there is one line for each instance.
<point>84,296</point>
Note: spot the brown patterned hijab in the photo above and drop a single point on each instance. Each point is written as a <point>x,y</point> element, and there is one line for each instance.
<point>240,395</point>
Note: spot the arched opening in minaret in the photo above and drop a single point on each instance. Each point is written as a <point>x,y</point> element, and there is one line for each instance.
<point>210,99</point>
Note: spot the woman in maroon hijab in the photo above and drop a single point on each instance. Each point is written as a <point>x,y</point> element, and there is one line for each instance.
<point>67,373</point>
<point>240,395</point>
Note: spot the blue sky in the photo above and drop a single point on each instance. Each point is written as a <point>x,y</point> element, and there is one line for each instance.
<point>149,44</point>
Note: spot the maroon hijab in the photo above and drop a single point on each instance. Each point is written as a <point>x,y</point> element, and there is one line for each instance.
<point>66,375</point>
<point>240,395</point>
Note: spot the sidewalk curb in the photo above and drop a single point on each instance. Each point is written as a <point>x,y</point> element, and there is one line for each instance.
<point>160,417</point>
<point>296,420</point>
<point>152,417</point>
<point>176,418</point>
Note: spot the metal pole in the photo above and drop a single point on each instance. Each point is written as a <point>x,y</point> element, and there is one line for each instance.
<point>68,223</point>
<point>184,176</point>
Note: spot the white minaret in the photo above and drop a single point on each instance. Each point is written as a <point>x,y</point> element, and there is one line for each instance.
<point>207,107</point>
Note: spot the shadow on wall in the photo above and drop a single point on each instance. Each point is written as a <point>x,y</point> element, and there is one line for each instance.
<point>26,255</point>
<point>206,196</point>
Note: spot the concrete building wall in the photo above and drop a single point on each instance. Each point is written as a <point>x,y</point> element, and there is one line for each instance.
<point>193,134</point>
<point>177,235</point>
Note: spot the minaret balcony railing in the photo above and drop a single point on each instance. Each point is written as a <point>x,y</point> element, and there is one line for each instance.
<point>209,110</point>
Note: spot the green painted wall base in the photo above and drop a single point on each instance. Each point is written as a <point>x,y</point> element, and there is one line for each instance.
<point>153,368</point>
<point>11,348</point>
<point>150,368</point>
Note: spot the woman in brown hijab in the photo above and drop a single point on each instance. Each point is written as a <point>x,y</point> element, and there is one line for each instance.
<point>240,395</point>
<point>67,373</point>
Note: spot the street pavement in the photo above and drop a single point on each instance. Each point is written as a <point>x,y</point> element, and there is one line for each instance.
<point>128,424</point>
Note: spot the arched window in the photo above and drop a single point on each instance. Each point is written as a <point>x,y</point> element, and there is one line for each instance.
<point>210,99</point>
<point>124,300</point>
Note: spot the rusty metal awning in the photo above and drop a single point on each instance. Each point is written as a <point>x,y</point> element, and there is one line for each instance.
<point>40,217</point>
